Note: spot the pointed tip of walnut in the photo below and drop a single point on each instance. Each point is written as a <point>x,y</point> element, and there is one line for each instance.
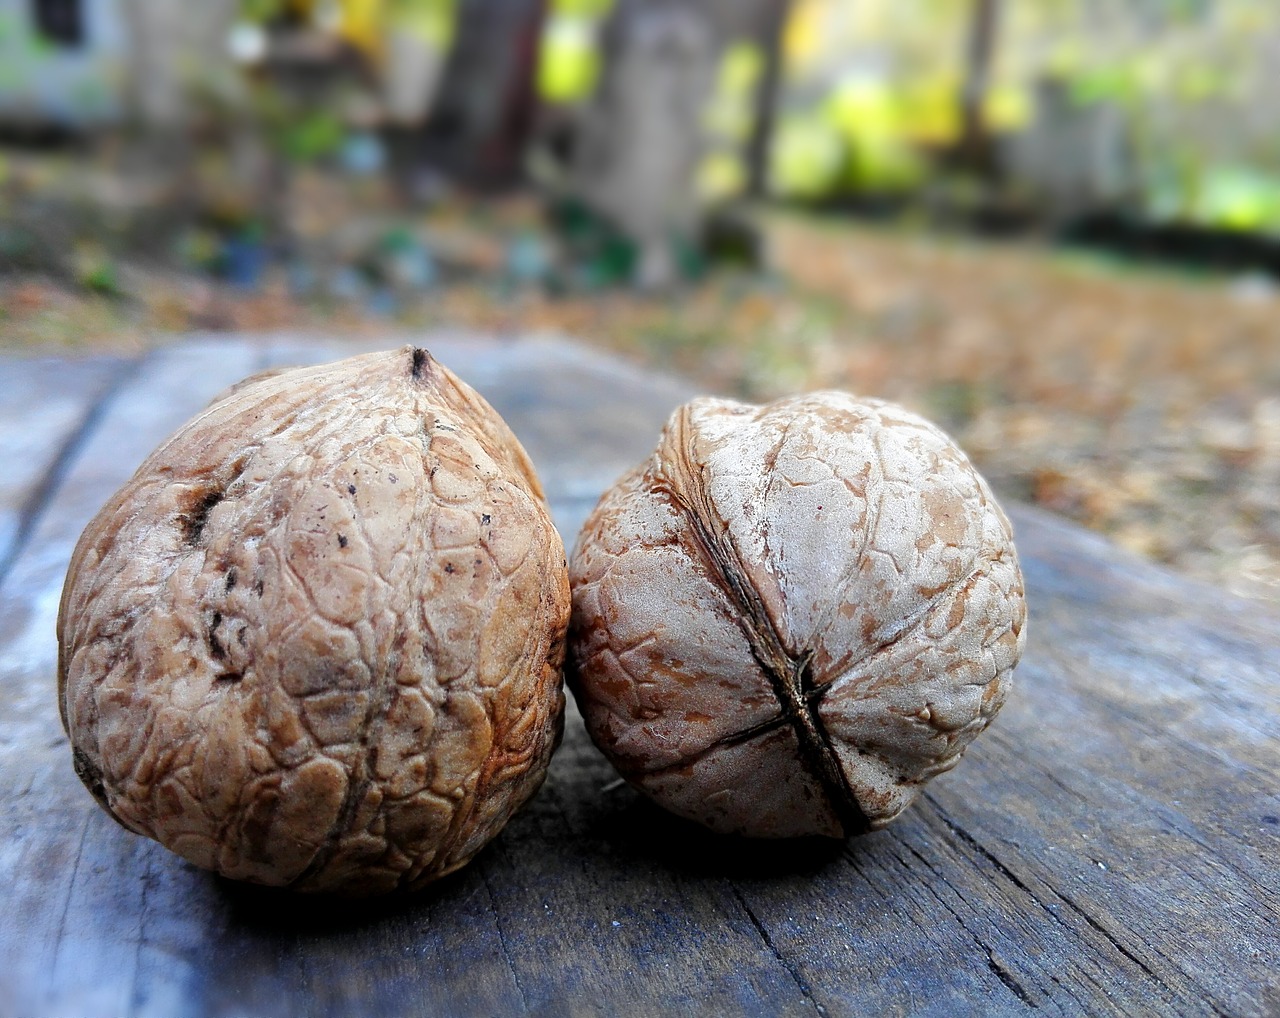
<point>792,616</point>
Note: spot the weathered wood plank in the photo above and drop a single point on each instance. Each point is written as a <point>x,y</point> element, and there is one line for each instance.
<point>1107,845</point>
<point>44,828</point>
<point>1110,846</point>
<point>590,922</point>
<point>45,404</point>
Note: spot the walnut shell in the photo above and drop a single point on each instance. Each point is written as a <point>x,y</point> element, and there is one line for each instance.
<point>793,616</point>
<point>316,640</point>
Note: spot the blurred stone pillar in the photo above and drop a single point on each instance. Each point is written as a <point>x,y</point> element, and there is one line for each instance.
<point>641,140</point>
<point>173,45</point>
<point>1073,159</point>
<point>413,64</point>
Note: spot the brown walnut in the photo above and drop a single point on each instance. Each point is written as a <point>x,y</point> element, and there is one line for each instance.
<point>316,640</point>
<point>792,616</point>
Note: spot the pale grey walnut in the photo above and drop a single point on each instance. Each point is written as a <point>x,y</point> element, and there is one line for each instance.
<point>316,640</point>
<point>790,617</point>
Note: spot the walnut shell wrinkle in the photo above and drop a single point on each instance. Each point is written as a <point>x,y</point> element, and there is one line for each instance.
<point>792,616</point>
<point>316,640</point>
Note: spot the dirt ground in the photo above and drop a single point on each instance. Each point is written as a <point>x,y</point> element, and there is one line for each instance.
<point>1145,406</point>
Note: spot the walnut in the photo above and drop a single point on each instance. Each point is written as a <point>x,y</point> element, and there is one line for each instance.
<point>316,640</point>
<point>793,616</point>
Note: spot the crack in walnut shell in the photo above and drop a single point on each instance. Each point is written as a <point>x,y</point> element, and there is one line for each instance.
<point>792,616</point>
<point>316,640</point>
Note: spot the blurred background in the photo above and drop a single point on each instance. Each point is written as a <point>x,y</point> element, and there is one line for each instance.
<point>1053,227</point>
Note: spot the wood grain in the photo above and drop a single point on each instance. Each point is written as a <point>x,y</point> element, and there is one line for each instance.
<point>1111,846</point>
<point>46,405</point>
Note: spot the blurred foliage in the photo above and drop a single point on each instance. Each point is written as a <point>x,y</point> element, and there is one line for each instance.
<point>314,135</point>
<point>569,59</point>
<point>569,50</point>
<point>728,120</point>
<point>807,157</point>
<point>1235,198</point>
<point>870,119</point>
<point>363,23</point>
<point>1190,80</point>
<point>97,272</point>
<point>434,21</point>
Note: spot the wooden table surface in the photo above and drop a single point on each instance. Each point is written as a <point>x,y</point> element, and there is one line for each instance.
<point>1111,845</point>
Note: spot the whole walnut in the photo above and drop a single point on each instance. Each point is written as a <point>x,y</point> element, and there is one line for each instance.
<point>316,640</point>
<point>792,616</point>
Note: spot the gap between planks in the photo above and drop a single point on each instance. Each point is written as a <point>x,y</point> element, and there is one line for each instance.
<point>42,494</point>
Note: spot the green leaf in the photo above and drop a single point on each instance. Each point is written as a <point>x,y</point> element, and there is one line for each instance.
<point>313,137</point>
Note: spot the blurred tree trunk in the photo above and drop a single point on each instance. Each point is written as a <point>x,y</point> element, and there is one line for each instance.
<point>772,23</point>
<point>484,109</point>
<point>984,27</point>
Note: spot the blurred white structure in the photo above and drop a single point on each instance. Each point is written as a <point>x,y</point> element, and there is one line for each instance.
<point>75,75</point>
<point>643,136</point>
<point>83,63</point>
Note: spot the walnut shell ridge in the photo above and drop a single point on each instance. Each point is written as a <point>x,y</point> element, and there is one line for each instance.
<point>792,616</point>
<point>316,640</point>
